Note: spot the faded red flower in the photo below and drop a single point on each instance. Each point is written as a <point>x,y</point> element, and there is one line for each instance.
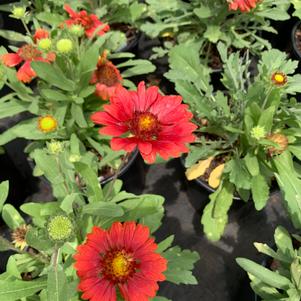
<point>40,34</point>
<point>154,123</point>
<point>122,257</point>
<point>242,5</point>
<point>107,78</point>
<point>27,54</point>
<point>89,22</point>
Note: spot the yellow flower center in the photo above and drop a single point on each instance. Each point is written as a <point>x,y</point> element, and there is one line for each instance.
<point>146,122</point>
<point>120,265</point>
<point>279,78</point>
<point>47,124</point>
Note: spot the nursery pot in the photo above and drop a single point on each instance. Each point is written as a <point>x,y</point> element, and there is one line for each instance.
<point>123,170</point>
<point>296,39</point>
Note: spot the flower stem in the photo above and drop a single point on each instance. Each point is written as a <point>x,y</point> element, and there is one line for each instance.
<point>26,27</point>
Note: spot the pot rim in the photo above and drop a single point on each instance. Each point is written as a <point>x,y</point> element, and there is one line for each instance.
<point>296,49</point>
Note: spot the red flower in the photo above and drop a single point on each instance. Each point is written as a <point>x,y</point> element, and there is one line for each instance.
<point>40,34</point>
<point>122,257</point>
<point>242,5</point>
<point>155,123</point>
<point>89,22</point>
<point>27,54</point>
<point>107,78</point>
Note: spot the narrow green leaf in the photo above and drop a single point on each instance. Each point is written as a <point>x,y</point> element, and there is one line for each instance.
<point>103,209</point>
<point>4,189</point>
<point>264,274</point>
<point>57,284</point>
<point>12,217</point>
<point>166,243</point>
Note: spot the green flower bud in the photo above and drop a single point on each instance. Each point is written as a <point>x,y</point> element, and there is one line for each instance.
<point>44,44</point>
<point>76,30</point>
<point>55,147</point>
<point>258,132</point>
<point>64,46</point>
<point>18,12</point>
<point>60,228</point>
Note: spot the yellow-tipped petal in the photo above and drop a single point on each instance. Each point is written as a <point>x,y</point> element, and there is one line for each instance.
<point>215,176</point>
<point>198,169</point>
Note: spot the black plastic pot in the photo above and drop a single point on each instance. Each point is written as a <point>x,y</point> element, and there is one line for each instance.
<point>123,169</point>
<point>296,48</point>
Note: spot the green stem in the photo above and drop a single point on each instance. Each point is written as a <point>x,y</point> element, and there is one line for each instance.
<point>26,27</point>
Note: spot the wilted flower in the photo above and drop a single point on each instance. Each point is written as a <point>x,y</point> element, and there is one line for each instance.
<point>282,142</point>
<point>47,124</point>
<point>154,123</point>
<point>242,5</point>
<point>27,54</point>
<point>90,23</point>
<point>19,237</point>
<point>40,34</point>
<point>122,258</point>
<point>106,77</point>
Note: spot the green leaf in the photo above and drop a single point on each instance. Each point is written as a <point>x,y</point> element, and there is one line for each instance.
<point>264,274</point>
<point>78,115</point>
<point>215,214</point>
<point>274,13</point>
<point>40,209</point>
<point>213,33</point>
<point>14,36</point>
<point>17,289</point>
<point>94,191</point>
<point>5,244</point>
<point>203,12</point>
<point>260,191</point>
<point>55,95</point>
<point>50,18</point>
<point>137,67</point>
<point>4,189</point>
<point>166,243</point>
<point>239,174</point>
<point>106,209</point>
<point>57,284</point>
<point>12,217</point>
<point>284,242</point>
<point>158,298</point>
<point>252,164</point>
<point>180,264</point>
<point>266,119</point>
<point>290,185</point>
<point>12,107</point>
<point>53,75</point>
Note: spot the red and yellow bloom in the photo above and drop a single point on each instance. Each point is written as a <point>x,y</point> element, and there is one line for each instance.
<point>242,5</point>
<point>40,34</point>
<point>154,123</point>
<point>279,78</point>
<point>107,78</point>
<point>90,23</point>
<point>27,53</point>
<point>47,124</point>
<point>122,257</point>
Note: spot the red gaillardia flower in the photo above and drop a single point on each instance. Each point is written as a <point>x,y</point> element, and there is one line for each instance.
<point>123,258</point>
<point>89,22</point>
<point>40,34</point>
<point>154,123</point>
<point>242,5</point>
<point>27,54</point>
<point>106,77</point>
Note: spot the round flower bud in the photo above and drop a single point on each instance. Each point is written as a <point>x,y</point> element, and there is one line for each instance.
<point>64,46</point>
<point>258,132</point>
<point>60,228</point>
<point>19,12</point>
<point>44,44</point>
<point>55,147</point>
<point>77,30</point>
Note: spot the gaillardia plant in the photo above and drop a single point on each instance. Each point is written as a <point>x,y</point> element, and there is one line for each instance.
<point>247,135</point>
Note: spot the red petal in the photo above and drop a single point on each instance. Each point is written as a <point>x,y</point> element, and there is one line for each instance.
<point>11,59</point>
<point>25,74</point>
<point>127,144</point>
<point>145,147</point>
<point>70,11</point>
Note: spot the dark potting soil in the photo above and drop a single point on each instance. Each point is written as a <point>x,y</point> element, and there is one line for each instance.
<point>298,38</point>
